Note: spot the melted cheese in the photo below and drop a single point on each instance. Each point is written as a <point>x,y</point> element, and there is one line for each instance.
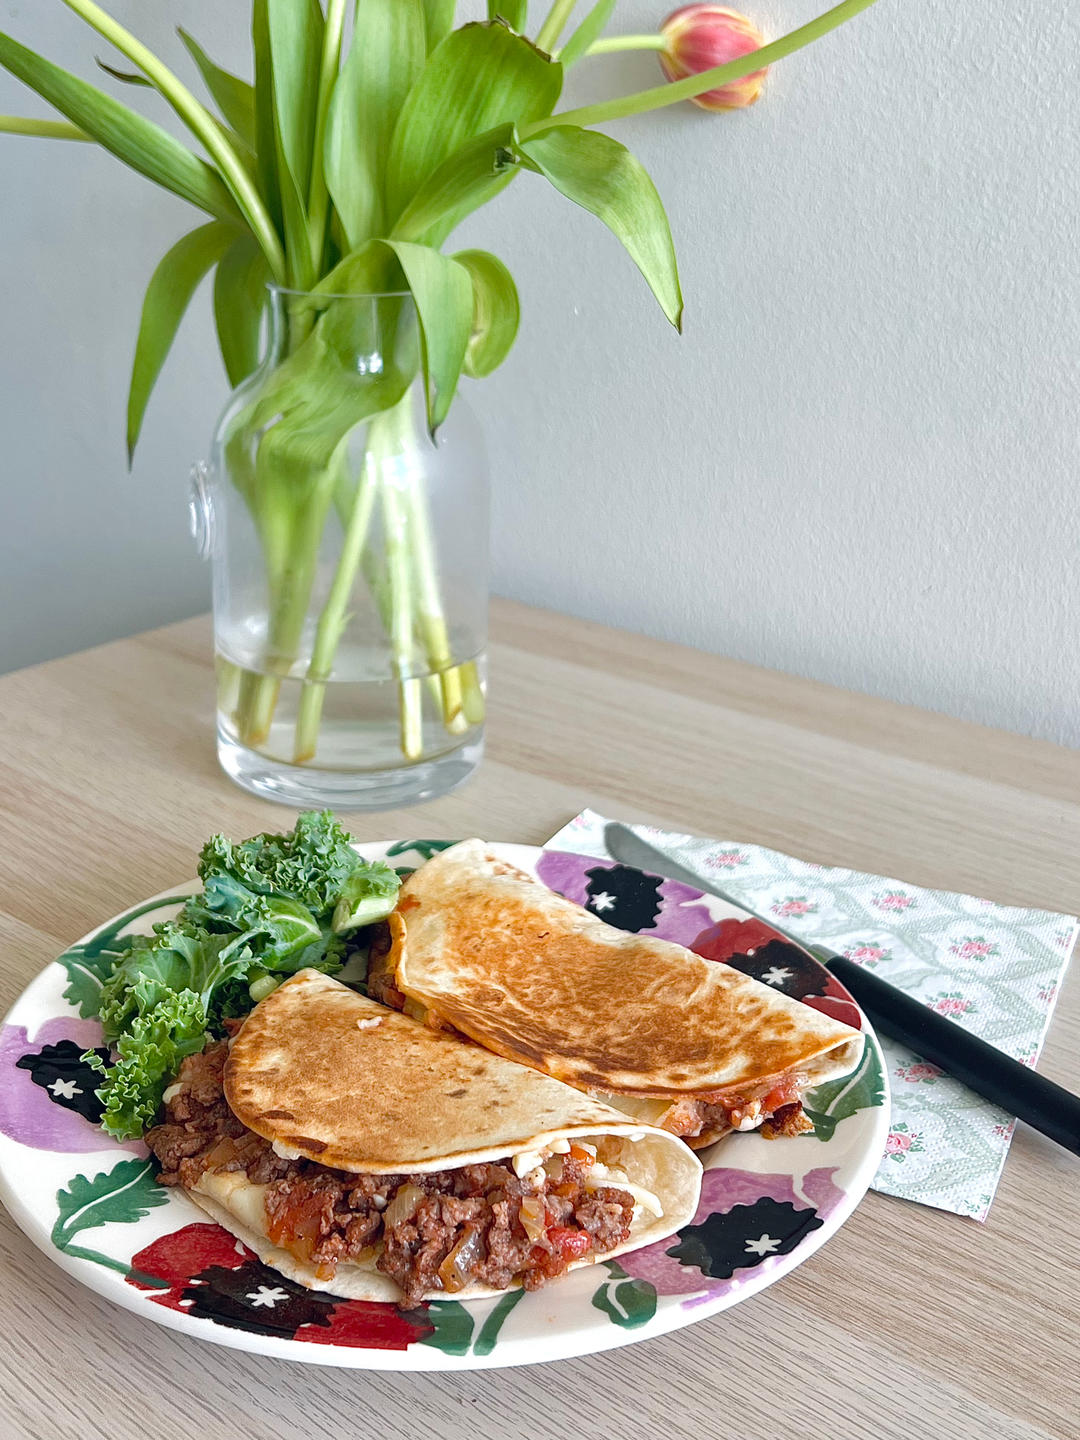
<point>598,1175</point>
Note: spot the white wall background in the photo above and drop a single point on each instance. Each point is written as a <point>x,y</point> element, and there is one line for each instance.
<point>859,462</point>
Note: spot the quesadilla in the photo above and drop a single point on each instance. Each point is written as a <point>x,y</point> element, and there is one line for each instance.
<point>360,1152</point>
<point>690,1045</point>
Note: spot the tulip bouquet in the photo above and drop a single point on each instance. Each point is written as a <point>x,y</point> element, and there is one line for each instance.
<point>370,130</point>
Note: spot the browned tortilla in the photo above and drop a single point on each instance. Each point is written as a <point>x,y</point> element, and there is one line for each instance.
<point>328,1074</point>
<point>536,978</point>
<point>331,1076</point>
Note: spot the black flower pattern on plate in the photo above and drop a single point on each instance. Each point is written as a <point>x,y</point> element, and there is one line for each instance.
<point>257,1299</point>
<point>743,1237</point>
<point>624,897</point>
<point>783,967</point>
<point>66,1078</point>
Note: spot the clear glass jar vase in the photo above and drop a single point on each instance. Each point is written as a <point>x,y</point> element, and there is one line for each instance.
<point>349,555</point>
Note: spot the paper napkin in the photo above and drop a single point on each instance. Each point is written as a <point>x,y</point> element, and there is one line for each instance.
<point>994,969</point>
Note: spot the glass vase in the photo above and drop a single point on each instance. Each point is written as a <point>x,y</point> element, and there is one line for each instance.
<point>349,553</point>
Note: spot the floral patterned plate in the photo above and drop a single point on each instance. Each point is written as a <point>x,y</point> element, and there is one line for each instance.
<point>93,1206</point>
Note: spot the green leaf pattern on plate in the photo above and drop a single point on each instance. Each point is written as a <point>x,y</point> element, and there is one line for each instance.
<point>457,1331</point>
<point>489,1331</point>
<point>118,1196</point>
<point>87,965</point>
<point>627,1303</point>
<point>426,848</point>
<point>828,1104</point>
<point>453,1327</point>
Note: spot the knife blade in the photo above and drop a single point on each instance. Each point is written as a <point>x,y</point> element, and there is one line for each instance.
<point>1046,1107</point>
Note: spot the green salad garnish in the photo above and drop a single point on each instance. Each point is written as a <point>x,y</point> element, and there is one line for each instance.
<point>270,906</point>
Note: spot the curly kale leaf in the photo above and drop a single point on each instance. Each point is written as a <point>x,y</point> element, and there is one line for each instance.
<point>312,864</point>
<point>369,894</point>
<point>148,1055</point>
<point>174,961</point>
<point>271,906</point>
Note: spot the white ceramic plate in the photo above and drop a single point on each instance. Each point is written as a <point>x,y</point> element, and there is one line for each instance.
<point>93,1206</point>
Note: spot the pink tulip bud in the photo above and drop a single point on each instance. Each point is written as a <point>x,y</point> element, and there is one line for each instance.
<point>700,36</point>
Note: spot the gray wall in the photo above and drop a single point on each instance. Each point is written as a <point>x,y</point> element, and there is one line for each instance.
<point>858,463</point>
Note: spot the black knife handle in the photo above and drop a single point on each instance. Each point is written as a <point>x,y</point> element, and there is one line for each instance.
<point>1016,1088</point>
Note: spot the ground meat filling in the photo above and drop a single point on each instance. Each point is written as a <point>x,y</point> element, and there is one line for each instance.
<point>775,1113</point>
<point>479,1224</point>
<point>380,972</point>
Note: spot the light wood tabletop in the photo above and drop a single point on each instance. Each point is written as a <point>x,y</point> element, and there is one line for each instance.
<point>909,1322</point>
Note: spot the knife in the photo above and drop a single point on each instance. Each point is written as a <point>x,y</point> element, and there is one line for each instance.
<point>1045,1106</point>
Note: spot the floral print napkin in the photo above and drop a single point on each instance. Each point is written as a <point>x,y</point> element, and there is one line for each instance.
<point>994,969</point>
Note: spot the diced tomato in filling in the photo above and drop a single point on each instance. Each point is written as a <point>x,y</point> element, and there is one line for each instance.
<point>786,1093</point>
<point>721,1111</point>
<point>300,1222</point>
<point>571,1244</point>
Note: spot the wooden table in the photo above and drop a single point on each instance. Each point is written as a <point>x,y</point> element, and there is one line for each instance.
<point>910,1322</point>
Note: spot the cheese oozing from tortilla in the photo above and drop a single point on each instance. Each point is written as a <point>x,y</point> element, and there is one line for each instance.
<point>529,1165</point>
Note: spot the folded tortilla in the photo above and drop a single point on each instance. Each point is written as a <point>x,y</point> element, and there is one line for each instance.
<point>644,1024</point>
<point>329,1076</point>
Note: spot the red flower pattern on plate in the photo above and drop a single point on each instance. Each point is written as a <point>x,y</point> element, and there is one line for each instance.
<point>794,971</point>
<point>202,1270</point>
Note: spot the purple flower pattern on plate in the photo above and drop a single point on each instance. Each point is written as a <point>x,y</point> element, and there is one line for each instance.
<point>625,897</point>
<point>32,1115</point>
<point>724,1191</point>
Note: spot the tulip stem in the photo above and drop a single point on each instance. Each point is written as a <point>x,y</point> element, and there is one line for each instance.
<point>672,93</point>
<point>614,43</point>
<point>548,35</point>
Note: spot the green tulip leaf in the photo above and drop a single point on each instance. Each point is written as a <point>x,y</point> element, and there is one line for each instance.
<point>443,293</point>
<point>438,21</point>
<point>138,142</point>
<point>496,312</point>
<point>42,129</point>
<point>590,29</point>
<point>315,397</point>
<point>126,77</point>
<point>239,301</point>
<point>514,12</point>
<point>480,77</point>
<point>387,55</point>
<point>466,180</point>
<point>294,32</point>
<point>171,287</point>
<point>234,97</point>
<point>604,178</point>
<point>265,131</point>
